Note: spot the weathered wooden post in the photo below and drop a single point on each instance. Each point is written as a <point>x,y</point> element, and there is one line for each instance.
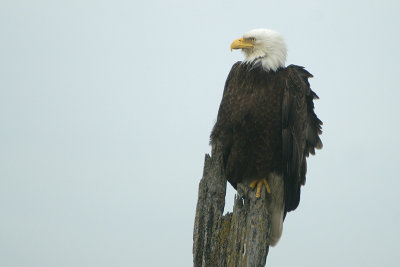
<point>240,238</point>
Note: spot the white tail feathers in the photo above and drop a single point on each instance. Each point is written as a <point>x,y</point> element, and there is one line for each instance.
<point>276,228</point>
<point>276,207</point>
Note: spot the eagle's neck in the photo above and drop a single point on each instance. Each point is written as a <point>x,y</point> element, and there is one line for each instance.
<point>267,63</point>
<point>271,57</point>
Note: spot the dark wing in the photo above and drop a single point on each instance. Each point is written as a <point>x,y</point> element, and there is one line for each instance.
<point>222,132</point>
<point>300,132</point>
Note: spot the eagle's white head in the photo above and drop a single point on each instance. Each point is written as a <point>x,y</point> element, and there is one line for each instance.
<point>263,46</point>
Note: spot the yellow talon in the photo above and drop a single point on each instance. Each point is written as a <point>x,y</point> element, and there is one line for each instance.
<point>258,193</point>
<point>253,184</point>
<point>267,186</point>
<point>259,184</point>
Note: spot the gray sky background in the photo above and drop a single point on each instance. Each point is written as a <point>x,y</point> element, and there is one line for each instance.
<point>106,109</point>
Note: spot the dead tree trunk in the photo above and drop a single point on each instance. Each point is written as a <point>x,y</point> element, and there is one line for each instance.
<point>240,238</point>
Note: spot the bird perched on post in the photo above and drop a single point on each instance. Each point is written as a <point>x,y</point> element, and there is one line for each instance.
<point>266,124</point>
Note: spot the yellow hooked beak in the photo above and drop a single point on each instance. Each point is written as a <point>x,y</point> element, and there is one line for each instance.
<point>240,43</point>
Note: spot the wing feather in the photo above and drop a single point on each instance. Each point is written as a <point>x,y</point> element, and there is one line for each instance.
<point>300,132</point>
<point>223,131</point>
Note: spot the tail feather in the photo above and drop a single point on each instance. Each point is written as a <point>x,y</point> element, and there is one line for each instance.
<point>276,207</point>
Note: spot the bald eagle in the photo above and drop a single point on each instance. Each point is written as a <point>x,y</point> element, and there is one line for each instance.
<point>266,124</point>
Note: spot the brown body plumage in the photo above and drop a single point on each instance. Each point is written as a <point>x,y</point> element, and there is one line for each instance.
<point>266,124</point>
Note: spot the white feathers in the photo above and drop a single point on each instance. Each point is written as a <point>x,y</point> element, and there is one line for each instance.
<point>276,228</point>
<point>276,207</point>
<point>269,49</point>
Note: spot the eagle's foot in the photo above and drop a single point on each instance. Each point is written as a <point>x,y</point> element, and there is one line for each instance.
<point>259,184</point>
